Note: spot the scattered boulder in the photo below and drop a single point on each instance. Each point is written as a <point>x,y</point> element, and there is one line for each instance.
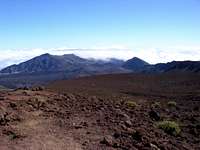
<point>154,147</point>
<point>137,135</point>
<point>128,123</point>
<point>39,88</point>
<point>107,140</point>
<point>154,115</point>
<point>116,135</point>
<point>122,114</point>
<point>13,105</point>
<point>4,119</point>
<point>2,98</point>
<point>125,116</point>
<point>25,88</point>
<point>25,93</point>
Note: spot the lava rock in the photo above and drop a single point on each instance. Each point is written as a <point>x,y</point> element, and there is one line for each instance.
<point>108,140</point>
<point>26,88</point>
<point>154,115</point>
<point>2,98</point>
<point>13,105</point>
<point>128,123</point>
<point>137,136</point>
<point>154,147</point>
<point>116,135</point>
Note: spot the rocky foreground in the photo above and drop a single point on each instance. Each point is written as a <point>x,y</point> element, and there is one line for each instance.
<point>45,120</point>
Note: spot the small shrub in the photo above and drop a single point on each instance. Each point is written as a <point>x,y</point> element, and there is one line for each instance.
<point>170,127</point>
<point>12,135</point>
<point>155,105</point>
<point>131,104</point>
<point>171,103</point>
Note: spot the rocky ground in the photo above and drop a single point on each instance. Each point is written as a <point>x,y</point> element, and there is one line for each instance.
<point>104,112</point>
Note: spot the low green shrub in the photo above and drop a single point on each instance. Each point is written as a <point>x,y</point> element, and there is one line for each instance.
<point>172,104</point>
<point>131,104</point>
<point>170,127</point>
<point>155,105</point>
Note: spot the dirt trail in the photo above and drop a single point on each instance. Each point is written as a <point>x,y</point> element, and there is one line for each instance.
<point>31,129</point>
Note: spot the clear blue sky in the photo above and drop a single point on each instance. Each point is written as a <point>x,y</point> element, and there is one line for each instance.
<point>30,24</point>
<point>87,23</point>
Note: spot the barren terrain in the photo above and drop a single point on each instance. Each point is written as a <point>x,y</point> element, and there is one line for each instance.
<point>103,112</point>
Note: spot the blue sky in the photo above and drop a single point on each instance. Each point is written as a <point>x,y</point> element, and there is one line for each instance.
<point>138,26</point>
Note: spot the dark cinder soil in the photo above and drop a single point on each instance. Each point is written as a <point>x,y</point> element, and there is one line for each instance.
<point>103,113</point>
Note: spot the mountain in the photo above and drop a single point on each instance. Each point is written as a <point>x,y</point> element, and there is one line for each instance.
<point>176,66</point>
<point>135,64</point>
<point>46,68</point>
<point>67,62</point>
<point>46,63</point>
<point>138,65</point>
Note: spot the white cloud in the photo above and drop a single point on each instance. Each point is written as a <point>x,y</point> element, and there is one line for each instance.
<point>151,55</point>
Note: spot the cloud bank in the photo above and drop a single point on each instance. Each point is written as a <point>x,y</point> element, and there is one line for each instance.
<point>151,55</point>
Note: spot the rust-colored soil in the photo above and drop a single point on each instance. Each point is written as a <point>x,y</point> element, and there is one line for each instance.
<point>103,113</point>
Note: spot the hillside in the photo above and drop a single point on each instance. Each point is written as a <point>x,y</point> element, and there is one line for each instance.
<point>177,66</point>
<point>136,64</point>
<point>103,112</point>
<point>46,63</point>
<point>46,68</point>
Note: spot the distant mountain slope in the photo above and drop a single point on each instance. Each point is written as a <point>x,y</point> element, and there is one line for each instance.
<point>47,68</point>
<point>45,63</point>
<point>176,66</point>
<point>140,66</point>
<point>135,64</point>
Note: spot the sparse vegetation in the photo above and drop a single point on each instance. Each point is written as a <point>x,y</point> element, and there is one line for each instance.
<point>155,105</point>
<point>172,104</point>
<point>170,127</point>
<point>131,104</point>
<point>12,135</point>
<point>118,116</point>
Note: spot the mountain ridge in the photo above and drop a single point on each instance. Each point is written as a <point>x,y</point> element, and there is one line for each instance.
<point>47,62</point>
<point>135,64</point>
<point>46,68</point>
